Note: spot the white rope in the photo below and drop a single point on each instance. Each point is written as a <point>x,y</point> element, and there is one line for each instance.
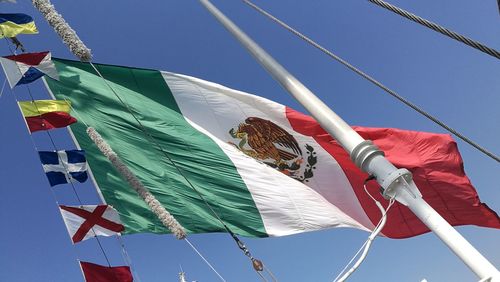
<point>163,215</point>
<point>62,28</point>
<point>352,259</point>
<point>367,244</point>
<point>127,258</point>
<point>204,259</point>
<point>270,273</point>
<point>3,87</point>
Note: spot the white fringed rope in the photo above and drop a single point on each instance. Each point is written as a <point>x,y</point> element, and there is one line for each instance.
<point>67,34</point>
<point>165,217</point>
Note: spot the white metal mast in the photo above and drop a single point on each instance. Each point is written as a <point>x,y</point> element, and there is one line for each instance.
<point>396,183</point>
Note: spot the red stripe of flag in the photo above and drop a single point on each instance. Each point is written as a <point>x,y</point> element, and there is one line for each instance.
<point>49,121</point>
<point>437,169</point>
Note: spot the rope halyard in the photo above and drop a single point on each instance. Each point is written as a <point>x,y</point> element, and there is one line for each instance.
<point>366,246</point>
<point>374,81</point>
<point>3,87</point>
<point>204,259</point>
<point>258,265</point>
<point>127,258</point>
<point>472,43</point>
<point>163,215</point>
<point>62,28</point>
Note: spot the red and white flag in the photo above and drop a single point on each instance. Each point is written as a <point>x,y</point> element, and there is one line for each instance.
<point>99,273</point>
<point>84,222</point>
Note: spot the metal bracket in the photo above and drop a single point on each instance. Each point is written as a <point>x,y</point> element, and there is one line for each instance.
<point>397,182</point>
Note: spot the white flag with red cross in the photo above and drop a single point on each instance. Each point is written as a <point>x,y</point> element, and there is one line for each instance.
<point>84,222</point>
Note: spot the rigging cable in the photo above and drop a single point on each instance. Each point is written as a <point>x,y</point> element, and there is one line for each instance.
<point>374,81</point>
<point>472,43</point>
<point>203,258</point>
<point>366,246</point>
<point>3,87</point>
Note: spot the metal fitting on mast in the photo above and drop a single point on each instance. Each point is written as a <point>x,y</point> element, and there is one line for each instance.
<point>393,181</point>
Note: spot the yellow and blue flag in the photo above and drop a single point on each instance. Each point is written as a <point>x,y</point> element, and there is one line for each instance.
<point>14,24</point>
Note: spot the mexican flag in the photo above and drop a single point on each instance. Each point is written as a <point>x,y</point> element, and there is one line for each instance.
<point>266,169</point>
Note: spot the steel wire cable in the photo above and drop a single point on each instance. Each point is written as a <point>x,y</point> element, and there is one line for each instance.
<point>472,43</point>
<point>374,81</point>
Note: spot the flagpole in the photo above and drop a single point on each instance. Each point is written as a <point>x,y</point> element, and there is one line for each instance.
<point>396,183</point>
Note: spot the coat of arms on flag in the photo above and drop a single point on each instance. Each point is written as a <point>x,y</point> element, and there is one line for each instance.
<point>64,166</point>
<point>84,222</point>
<point>28,67</point>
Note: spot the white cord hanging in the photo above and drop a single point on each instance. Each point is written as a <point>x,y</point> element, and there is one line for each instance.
<point>366,246</point>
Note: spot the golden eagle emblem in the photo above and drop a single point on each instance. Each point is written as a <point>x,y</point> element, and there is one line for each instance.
<point>265,141</point>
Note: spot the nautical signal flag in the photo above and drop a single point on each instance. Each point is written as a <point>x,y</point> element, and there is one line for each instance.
<point>46,114</point>
<point>99,273</point>
<point>28,67</point>
<point>64,166</point>
<point>84,222</point>
<point>14,24</point>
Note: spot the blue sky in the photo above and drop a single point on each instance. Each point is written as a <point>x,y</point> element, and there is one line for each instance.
<point>458,84</point>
